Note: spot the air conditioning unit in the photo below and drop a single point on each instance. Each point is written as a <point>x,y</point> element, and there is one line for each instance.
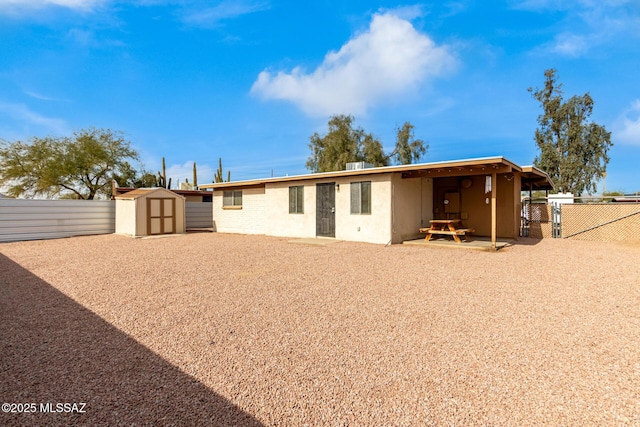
<point>352,166</point>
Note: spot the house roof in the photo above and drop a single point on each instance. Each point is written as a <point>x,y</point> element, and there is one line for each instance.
<point>140,192</point>
<point>536,179</point>
<point>626,199</point>
<point>463,167</point>
<point>118,191</point>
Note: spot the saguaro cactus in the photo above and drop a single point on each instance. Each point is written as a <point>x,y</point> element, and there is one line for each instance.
<point>218,175</point>
<point>162,177</point>
<point>195,177</point>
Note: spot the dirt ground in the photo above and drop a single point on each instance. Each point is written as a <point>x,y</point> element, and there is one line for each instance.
<point>219,329</point>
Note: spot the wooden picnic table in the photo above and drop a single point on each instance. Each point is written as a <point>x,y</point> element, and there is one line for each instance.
<point>446,227</point>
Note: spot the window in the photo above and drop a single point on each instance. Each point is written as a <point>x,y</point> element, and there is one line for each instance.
<point>296,199</point>
<point>361,197</point>
<point>232,199</point>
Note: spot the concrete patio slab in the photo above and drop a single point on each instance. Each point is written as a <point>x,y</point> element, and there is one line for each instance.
<point>476,243</point>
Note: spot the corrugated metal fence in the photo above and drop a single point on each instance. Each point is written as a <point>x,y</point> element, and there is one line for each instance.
<point>26,219</point>
<point>199,215</point>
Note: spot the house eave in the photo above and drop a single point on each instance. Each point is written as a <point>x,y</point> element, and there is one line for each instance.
<point>536,179</point>
<point>433,169</point>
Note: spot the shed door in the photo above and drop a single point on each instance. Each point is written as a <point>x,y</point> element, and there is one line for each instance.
<point>326,210</point>
<point>161,216</point>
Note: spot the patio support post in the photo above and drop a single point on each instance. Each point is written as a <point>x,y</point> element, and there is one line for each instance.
<point>494,183</point>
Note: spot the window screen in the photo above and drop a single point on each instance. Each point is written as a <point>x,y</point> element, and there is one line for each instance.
<point>232,198</point>
<point>361,197</point>
<point>296,199</point>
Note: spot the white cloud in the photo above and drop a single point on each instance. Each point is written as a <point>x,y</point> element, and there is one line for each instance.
<point>212,16</point>
<point>566,4</point>
<point>184,172</point>
<point>376,66</point>
<point>627,127</point>
<point>34,122</point>
<point>586,24</point>
<point>456,7</point>
<point>406,12</point>
<point>18,5</point>
<point>568,44</point>
<point>39,96</point>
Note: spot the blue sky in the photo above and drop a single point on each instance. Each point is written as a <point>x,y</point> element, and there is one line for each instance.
<point>251,80</point>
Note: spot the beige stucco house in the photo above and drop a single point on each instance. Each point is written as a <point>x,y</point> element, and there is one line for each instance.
<point>379,205</point>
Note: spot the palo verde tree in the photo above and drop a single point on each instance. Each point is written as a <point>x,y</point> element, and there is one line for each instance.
<point>343,144</point>
<point>573,150</point>
<point>81,166</point>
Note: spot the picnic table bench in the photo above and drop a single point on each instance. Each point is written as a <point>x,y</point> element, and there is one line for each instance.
<point>446,227</point>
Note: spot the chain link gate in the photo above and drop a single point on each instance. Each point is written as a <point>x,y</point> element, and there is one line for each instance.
<point>536,219</point>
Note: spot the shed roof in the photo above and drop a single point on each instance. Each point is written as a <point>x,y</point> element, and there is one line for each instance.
<point>140,192</point>
<point>118,191</point>
<point>463,167</point>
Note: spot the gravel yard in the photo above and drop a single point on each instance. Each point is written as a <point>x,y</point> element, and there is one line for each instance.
<point>218,329</point>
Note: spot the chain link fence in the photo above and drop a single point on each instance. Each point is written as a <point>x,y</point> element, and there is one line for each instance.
<point>601,222</point>
<point>587,219</point>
